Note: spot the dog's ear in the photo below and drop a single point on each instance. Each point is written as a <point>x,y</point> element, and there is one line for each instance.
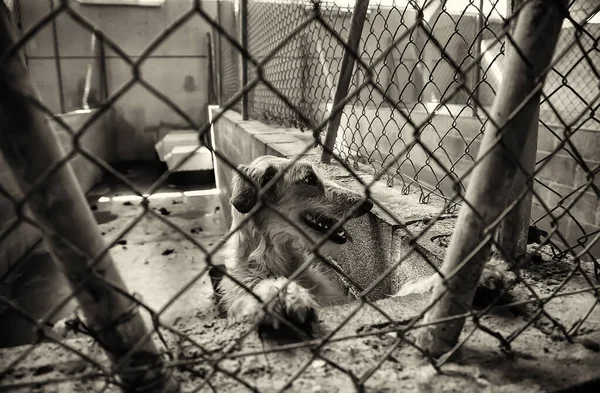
<point>245,194</point>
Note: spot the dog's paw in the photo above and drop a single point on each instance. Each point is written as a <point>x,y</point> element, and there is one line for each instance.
<point>495,279</point>
<point>293,304</point>
<point>69,326</point>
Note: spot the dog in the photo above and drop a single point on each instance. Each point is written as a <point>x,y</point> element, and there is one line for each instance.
<point>262,254</point>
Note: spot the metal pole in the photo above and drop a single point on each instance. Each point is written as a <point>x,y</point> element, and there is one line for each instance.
<point>103,71</point>
<point>30,147</point>
<point>431,10</point>
<point>218,56</point>
<point>359,15</point>
<point>244,33</point>
<point>212,99</point>
<point>511,234</point>
<point>477,70</point>
<point>59,75</point>
<point>536,35</point>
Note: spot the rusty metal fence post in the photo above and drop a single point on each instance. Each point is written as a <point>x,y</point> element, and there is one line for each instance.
<point>536,35</point>
<point>350,49</point>
<point>30,147</point>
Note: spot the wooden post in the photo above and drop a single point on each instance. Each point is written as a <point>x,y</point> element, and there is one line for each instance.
<point>536,35</point>
<point>30,147</point>
<point>356,26</point>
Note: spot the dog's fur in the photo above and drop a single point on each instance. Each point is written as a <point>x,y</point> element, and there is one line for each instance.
<point>264,252</point>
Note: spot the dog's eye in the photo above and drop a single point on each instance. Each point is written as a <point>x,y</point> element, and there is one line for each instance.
<point>311,180</point>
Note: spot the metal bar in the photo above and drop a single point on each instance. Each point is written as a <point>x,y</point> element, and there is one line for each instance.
<point>356,27</point>
<point>212,99</point>
<point>536,35</point>
<point>244,34</point>
<point>511,235</point>
<point>59,75</point>
<point>88,75</point>
<point>325,67</point>
<point>60,206</point>
<point>477,69</point>
<point>219,56</point>
<point>431,12</point>
<point>103,71</point>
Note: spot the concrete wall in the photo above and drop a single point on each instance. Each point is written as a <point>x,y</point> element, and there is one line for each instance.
<point>178,67</point>
<point>375,135</point>
<point>97,140</point>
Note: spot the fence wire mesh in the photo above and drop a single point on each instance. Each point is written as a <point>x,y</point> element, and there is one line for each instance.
<point>389,129</point>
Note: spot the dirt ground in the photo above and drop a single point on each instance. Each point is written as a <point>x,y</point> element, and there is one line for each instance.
<point>366,353</point>
<point>154,259</point>
<point>544,337</point>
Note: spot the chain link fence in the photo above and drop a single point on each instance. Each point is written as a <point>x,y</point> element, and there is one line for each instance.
<point>389,129</point>
<point>307,68</point>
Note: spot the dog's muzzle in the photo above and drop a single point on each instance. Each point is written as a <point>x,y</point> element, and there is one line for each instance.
<point>322,223</point>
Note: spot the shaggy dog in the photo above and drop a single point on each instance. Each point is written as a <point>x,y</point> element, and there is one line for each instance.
<point>268,248</point>
<point>262,254</point>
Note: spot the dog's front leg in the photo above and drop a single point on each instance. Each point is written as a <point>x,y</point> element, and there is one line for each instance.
<point>291,302</point>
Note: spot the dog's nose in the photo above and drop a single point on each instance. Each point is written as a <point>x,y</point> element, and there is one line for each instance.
<point>364,208</point>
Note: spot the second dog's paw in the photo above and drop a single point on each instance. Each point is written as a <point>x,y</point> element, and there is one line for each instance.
<point>293,304</point>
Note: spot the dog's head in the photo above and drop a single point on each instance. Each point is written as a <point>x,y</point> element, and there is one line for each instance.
<point>300,194</point>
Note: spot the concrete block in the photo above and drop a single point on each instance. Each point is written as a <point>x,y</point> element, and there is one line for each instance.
<point>290,149</point>
<point>547,141</point>
<point>558,168</point>
<point>587,143</point>
<point>175,138</point>
<point>545,218</point>
<point>583,209</point>
<point>200,160</point>
<point>278,137</point>
<point>581,176</point>
<point>581,235</point>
